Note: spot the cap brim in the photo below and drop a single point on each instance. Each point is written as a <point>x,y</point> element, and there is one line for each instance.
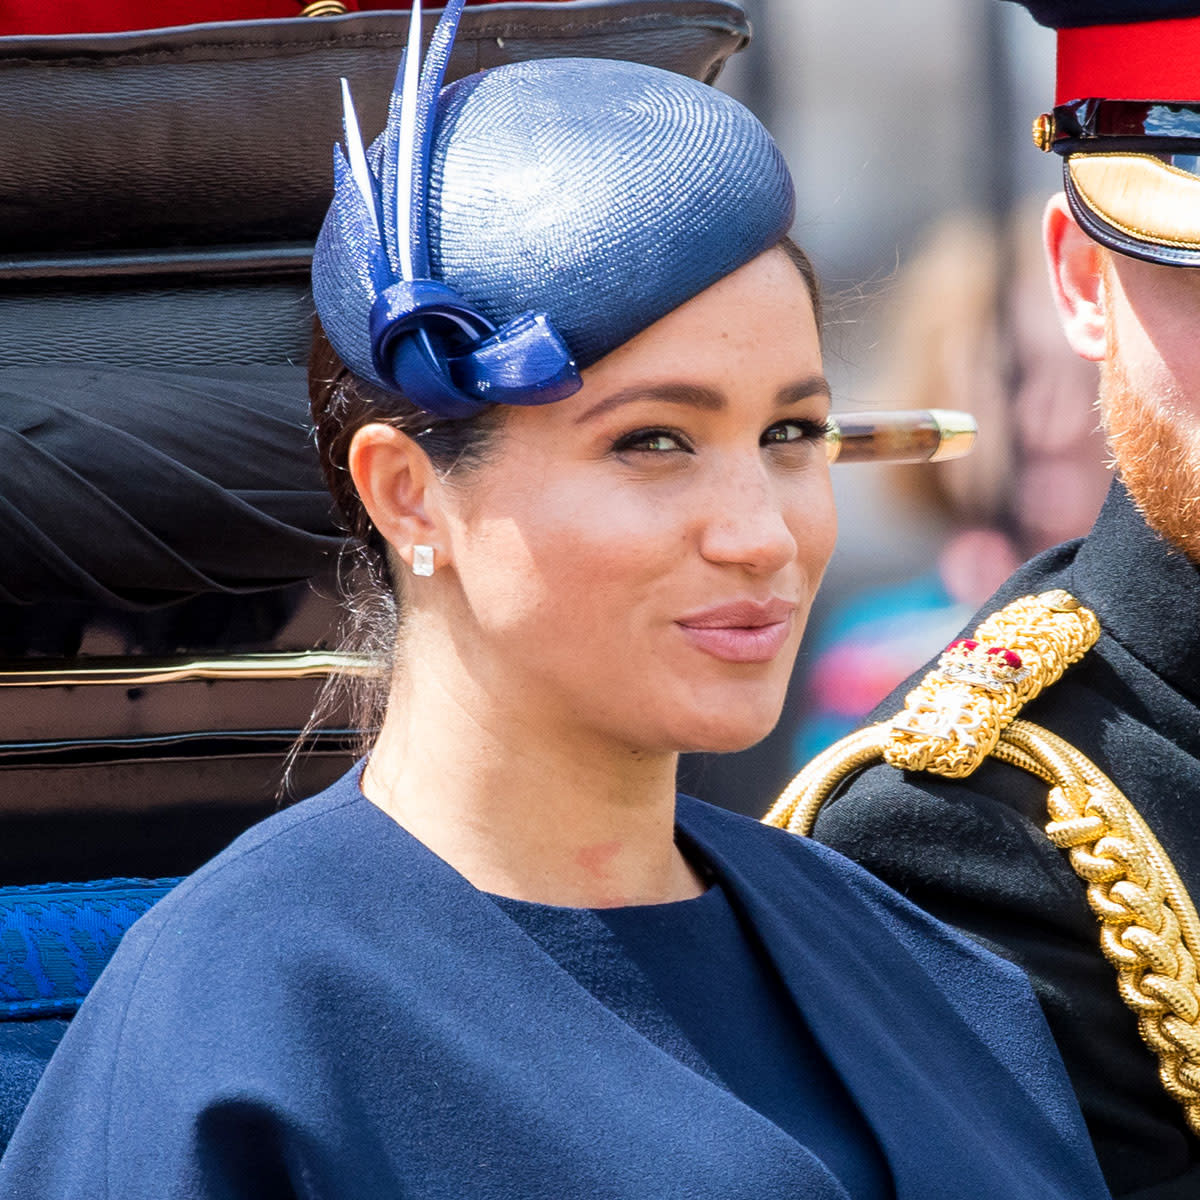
<point>1136,204</point>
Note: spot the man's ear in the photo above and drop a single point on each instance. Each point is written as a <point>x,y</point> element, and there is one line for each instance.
<point>1076,265</point>
<point>399,489</point>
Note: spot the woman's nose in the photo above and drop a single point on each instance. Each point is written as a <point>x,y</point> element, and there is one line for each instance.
<point>746,523</point>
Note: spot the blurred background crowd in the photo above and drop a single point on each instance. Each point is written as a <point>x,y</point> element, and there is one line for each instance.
<point>919,197</point>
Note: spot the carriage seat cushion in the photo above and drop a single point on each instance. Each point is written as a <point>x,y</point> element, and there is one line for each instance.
<point>56,938</point>
<point>25,1049</point>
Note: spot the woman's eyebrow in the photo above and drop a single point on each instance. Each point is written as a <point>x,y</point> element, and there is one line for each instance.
<point>805,389</point>
<point>693,395</point>
<point>696,396</point>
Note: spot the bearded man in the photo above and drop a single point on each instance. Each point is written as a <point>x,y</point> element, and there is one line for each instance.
<point>1123,247</point>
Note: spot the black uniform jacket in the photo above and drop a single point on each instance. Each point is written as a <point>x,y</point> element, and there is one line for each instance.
<point>974,853</point>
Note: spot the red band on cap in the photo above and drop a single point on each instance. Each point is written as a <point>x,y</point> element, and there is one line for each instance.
<point>1148,60</point>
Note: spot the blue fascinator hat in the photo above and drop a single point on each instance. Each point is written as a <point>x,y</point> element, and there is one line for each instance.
<point>515,227</point>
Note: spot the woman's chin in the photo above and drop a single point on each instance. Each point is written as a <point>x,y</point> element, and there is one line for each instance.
<point>726,733</point>
<point>724,720</point>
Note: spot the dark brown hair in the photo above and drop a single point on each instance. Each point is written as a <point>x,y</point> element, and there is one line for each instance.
<point>803,264</point>
<point>341,404</point>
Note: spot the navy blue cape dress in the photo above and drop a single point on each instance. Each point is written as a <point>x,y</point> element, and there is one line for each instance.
<point>328,1009</point>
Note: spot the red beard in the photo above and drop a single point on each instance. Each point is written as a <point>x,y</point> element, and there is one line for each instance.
<point>1157,451</point>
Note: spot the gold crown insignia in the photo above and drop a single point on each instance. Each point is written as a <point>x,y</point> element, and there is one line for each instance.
<point>992,667</point>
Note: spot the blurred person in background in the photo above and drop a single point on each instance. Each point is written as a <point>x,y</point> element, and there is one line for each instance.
<point>1082,672</point>
<point>970,325</point>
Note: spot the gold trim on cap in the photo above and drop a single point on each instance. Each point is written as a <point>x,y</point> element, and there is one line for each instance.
<point>956,432</point>
<point>1140,195</point>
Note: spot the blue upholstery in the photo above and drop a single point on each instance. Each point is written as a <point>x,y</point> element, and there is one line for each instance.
<point>25,1049</point>
<point>55,939</point>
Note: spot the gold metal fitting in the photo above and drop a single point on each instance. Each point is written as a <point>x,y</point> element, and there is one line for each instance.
<point>956,434</point>
<point>323,8</point>
<point>1044,132</point>
<point>833,440</point>
<point>1061,601</point>
<point>138,672</point>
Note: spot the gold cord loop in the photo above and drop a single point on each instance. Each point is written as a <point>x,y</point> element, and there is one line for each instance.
<point>965,709</point>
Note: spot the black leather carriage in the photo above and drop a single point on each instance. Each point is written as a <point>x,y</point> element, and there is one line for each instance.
<point>168,551</point>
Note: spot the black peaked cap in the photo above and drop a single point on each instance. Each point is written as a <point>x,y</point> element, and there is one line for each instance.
<point>1073,14</point>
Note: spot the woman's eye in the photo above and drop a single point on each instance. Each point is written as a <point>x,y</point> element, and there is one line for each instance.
<point>652,441</point>
<point>795,431</point>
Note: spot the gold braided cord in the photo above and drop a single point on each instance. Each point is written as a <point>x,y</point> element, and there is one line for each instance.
<point>1149,929</point>
<point>797,807</point>
<point>954,717</point>
<point>1176,892</point>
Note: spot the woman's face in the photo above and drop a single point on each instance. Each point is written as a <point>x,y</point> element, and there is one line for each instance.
<point>637,562</point>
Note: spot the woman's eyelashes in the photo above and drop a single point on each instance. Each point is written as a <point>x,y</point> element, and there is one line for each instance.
<point>655,440</point>
<point>660,440</point>
<point>796,430</point>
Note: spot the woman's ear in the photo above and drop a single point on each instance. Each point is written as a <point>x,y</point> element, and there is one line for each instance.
<point>1076,265</point>
<point>399,489</point>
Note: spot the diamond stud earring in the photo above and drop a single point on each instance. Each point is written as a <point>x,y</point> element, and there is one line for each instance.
<point>422,563</point>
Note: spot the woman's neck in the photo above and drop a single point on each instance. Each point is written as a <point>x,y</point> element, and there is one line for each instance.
<point>555,817</point>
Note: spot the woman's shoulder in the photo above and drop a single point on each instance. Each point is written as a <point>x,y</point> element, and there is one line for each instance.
<point>308,823</point>
<point>296,837</point>
<point>738,834</point>
<point>806,896</point>
<point>270,882</point>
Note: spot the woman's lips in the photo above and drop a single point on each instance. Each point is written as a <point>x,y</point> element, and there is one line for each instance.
<point>743,632</point>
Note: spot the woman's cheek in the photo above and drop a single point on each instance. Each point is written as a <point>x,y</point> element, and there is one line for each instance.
<point>551,569</point>
<point>814,525</point>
